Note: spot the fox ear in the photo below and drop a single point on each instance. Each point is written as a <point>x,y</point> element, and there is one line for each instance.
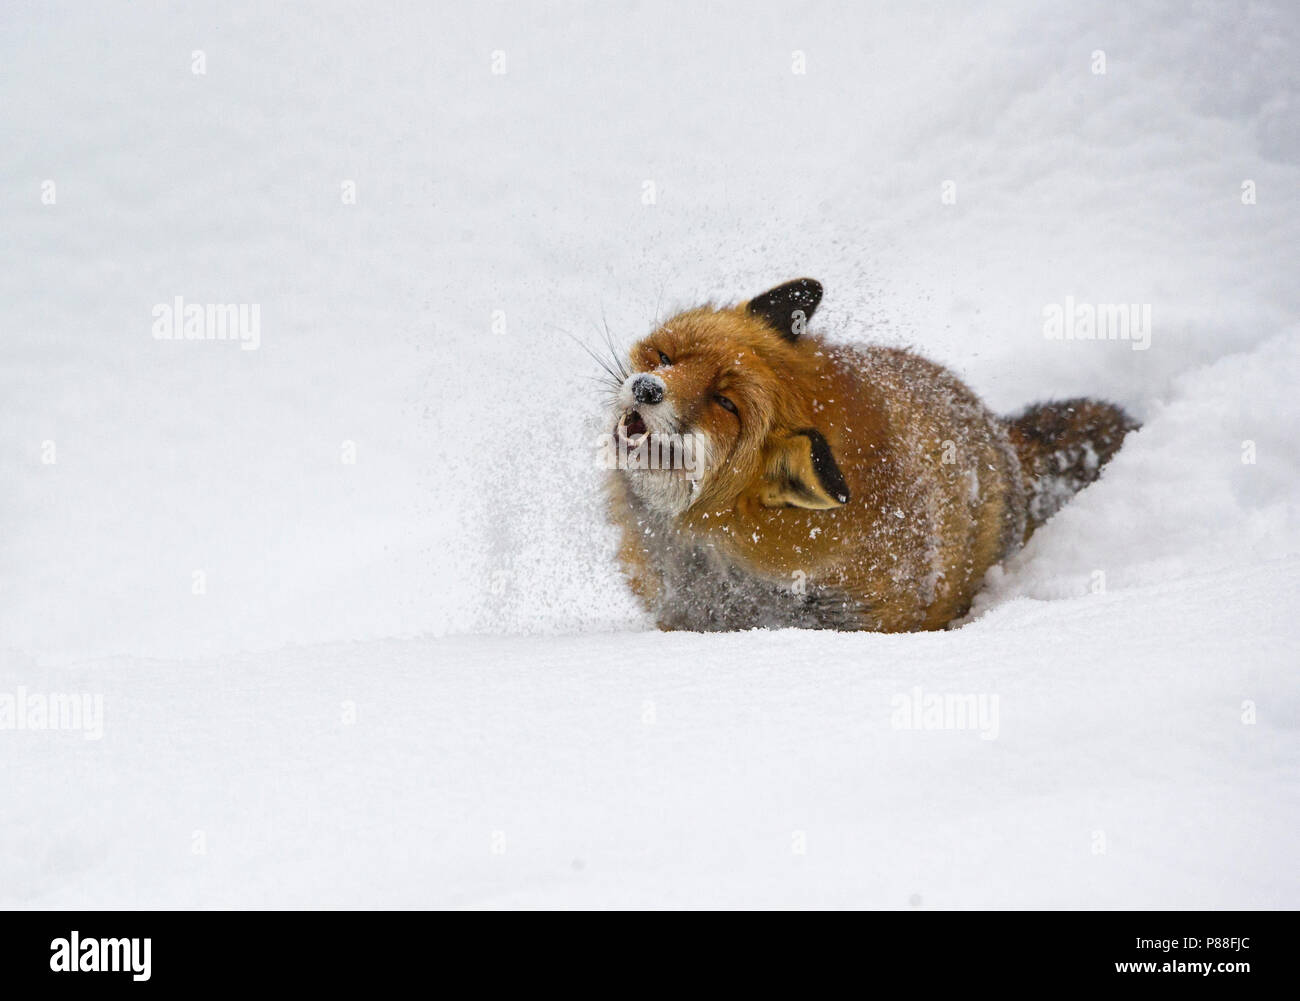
<point>800,471</point>
<point>787,308</point>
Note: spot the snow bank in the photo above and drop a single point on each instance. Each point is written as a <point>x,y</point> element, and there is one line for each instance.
<point>1115,768</point>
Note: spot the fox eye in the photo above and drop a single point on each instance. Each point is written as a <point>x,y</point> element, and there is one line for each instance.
<point>726,404</point>
<point>664,359</point>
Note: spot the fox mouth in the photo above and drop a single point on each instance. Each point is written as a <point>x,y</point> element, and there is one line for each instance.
<point>632,428</point>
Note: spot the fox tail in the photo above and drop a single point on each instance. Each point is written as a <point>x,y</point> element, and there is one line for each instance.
<point>1062,446</point>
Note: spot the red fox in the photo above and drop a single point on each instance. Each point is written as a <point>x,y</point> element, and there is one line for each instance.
<point>804,484</point>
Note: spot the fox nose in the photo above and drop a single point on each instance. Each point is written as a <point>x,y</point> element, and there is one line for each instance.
<point>647,389</point>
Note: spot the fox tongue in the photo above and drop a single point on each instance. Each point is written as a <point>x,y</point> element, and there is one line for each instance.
<point>634,425</point>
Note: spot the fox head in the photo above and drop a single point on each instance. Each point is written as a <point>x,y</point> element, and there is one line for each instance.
<point>722,402</point>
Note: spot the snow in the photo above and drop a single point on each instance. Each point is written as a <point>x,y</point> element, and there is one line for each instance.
<point>415,679</point>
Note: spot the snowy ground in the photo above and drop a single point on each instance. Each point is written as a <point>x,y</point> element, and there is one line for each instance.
<point>416,679</point>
